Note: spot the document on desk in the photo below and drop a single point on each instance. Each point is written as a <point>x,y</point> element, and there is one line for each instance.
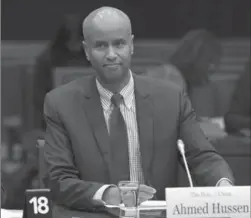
<point>151,208</point>
<point>153,204</point>
<point>147,205</point>
<point>11,213</point>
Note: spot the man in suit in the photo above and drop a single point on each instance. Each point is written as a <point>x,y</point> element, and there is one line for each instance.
<point>115,126</point>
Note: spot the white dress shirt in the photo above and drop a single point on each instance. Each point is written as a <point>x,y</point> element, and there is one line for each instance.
<point>128,110</point>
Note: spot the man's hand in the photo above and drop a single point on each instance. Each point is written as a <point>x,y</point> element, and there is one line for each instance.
<point>225,183</point>
<point>112,195</point>
<point>145,193</point>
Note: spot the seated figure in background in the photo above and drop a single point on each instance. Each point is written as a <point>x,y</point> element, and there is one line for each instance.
<point>195,58</point>
<point>65,49</point>
<point>237,119</point>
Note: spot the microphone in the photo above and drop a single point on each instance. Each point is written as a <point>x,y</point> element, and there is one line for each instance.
<point>181,148</point>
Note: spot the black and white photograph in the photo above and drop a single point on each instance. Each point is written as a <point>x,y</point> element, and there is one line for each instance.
<point>125,108</point>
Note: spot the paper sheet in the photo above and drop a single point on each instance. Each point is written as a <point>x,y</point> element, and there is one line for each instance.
<point>151,204</point>
<point>11,213</point>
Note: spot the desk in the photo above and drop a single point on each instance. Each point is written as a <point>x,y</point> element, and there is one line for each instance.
<point>57,212</point>
<point>62,212</point>
<point>11,213</point>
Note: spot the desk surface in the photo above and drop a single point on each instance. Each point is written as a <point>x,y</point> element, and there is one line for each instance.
<point>57,212</point>
<point>11,213</point>
<point>66,213</point>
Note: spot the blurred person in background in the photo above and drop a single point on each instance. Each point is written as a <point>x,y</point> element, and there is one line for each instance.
<point>190,66</point>
<point>65,49</point>
<point>195,58</point>
<point>237,119</point>
<point>237,125</point>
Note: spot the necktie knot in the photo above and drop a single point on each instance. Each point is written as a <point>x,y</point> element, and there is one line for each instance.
<point>117,99</point>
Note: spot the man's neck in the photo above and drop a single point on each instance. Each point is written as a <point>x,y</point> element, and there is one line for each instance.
<point>116,88</point>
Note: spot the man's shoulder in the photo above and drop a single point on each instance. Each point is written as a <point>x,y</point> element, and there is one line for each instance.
<point>158,85</point>
<point>72,87</point>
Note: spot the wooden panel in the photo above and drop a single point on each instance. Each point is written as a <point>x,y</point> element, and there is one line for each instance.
<point>18,57</point>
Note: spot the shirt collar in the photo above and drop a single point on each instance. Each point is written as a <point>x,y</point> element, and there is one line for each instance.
<point>127,92</point>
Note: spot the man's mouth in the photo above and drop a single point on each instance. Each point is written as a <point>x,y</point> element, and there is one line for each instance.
<point>111,65</point>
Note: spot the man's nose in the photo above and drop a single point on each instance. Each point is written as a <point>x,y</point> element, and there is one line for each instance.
<point>111,54</point>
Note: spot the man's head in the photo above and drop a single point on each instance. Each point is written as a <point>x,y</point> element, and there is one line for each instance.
<point>109,44</point>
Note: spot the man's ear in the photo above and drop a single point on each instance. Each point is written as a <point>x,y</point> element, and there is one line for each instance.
<point>86,50</point>
<point>132,44</point>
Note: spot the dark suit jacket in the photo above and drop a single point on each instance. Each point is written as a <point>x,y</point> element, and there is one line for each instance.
<point>77,149</point>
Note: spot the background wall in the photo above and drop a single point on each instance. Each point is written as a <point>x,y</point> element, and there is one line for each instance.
<point>37,20</point>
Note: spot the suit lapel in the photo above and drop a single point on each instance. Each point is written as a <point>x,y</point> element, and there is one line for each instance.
<point>144,112</point>
<point>95,115</point>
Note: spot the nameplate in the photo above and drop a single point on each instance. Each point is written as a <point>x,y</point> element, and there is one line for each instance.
<point>210,202</point>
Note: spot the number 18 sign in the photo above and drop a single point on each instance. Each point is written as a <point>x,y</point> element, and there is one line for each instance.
<point>37,203</point>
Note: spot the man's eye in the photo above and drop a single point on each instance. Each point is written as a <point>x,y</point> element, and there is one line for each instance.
<point>100,45</point>
<point>119,44</point>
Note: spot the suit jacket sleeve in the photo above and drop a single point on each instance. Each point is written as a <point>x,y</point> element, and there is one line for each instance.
<point>206,165</point>
<point>64,182</point>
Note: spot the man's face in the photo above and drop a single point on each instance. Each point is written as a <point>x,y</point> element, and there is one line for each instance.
<point>109,47</point>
